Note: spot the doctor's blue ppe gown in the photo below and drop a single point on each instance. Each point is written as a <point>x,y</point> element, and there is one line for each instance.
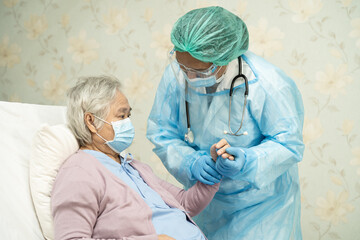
<point>261,201</point>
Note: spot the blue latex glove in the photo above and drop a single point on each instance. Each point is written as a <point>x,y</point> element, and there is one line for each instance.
<point>204,170</point>
<point>230,168</point>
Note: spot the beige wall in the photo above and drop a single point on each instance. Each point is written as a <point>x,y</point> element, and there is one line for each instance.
<point>45,45</point>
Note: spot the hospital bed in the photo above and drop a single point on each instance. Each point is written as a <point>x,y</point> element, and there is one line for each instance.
<point>34,142</point>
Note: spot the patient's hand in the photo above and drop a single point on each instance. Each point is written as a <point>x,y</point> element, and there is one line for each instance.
<point>165,237</point>
<point>221,146</point>
<point>213,152</point>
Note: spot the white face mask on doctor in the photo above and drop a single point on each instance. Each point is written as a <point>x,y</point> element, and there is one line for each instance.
<point>203,82</point>
<point>124,133</point>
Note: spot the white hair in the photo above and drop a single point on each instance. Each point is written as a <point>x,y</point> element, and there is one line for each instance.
<point>90,95</point>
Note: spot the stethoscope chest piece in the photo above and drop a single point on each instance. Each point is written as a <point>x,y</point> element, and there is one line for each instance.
<point>189,136</point>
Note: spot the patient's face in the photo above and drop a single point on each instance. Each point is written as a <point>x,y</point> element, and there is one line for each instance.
<point>119,110</point>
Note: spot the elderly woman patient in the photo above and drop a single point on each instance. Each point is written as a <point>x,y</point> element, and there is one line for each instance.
<point>99,194</point>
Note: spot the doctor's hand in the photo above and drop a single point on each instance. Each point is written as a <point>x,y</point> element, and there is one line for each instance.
<point>204,170</point>
<point>219,149</point>
<point>230,168</point>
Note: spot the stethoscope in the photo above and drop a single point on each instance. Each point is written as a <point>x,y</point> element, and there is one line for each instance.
<point>189,136</point>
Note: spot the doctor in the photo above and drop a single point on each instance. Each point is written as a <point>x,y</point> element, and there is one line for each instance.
<point>218,100</point>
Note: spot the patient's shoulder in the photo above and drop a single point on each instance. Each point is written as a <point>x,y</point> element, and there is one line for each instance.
<point>79,158</point>
<point>78,175</point>
<point>81,169</point>
<point>82,162</point>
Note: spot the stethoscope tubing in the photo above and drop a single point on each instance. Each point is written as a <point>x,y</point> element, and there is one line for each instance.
<point>189,136</point>
<point>246,93</point>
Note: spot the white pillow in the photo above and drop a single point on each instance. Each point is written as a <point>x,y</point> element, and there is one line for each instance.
<point>52,145</point>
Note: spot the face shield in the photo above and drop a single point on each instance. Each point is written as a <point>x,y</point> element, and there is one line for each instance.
<point>197,80</point>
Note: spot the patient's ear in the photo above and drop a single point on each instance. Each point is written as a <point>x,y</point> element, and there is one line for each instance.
<point>89,121</point>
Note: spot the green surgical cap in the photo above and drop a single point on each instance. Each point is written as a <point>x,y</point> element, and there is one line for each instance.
<point>211,34</point>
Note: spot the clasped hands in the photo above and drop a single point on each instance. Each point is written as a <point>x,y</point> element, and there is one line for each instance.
<point>224,161</point>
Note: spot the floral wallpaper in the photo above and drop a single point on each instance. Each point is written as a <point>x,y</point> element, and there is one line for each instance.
<point>45,45</point>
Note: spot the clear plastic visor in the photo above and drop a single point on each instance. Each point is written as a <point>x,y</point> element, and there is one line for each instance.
<point>193,74</point>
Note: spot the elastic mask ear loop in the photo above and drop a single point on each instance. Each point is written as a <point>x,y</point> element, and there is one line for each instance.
<point>218,80</point>
<point>101,137</point>
<point>96,129</point>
